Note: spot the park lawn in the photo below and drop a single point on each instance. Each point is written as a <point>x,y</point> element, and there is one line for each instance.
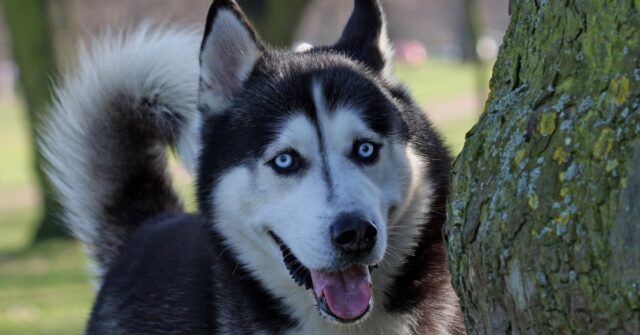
<point>15,171</point>
<point>440,79</point>
<point>454,132</point>
<point>46,289</point>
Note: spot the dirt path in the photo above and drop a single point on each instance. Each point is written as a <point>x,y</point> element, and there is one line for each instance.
<point>465,106</point>
<point>23,197</point>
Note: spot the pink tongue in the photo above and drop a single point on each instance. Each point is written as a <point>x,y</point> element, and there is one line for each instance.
<point>347,292</point>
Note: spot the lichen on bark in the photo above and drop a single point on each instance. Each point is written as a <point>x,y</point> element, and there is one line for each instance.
<point>543,228</point>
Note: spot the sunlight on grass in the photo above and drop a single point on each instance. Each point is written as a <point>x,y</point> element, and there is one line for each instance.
<point>15,155</point>
<point>15,230</point>
<point>454,132</point>
<point>441,80</point>
<point>44,290</point>
<point>438,79</point>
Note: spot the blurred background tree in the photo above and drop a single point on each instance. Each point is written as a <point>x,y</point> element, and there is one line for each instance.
<point>471,35</point>
<point>275,20</point>
<point>30,27</point>
<point>471,30</point>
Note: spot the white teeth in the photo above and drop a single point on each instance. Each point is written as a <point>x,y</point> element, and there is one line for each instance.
<point>368,276</point>
<point>319,292</point>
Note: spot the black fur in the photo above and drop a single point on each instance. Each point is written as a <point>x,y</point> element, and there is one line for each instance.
<point>425,274</point>
<point>164,282</point>
<point>161,281</point>
<point>361,37</point>
<point>134,141</point>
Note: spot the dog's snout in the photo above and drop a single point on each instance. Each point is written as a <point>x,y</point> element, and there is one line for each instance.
<point>353,234</point>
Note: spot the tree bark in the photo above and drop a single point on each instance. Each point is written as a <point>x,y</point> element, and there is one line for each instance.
<point>29,25</point>
<point>543,228</point>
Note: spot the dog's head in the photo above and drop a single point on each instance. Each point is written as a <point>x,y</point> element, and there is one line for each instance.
<point>305,162</point>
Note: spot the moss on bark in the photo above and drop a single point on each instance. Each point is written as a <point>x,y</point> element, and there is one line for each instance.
<point>543,226</point>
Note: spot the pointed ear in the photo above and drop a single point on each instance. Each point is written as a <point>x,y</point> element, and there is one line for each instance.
<point>365,36</point>
<point>230,49</point>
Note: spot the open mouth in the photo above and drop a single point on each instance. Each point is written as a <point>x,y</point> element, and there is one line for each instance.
<point>344,295</point>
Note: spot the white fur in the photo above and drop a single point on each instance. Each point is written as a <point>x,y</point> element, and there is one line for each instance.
<point>386,48</point>
<point>227,58</point>
<point>252,200</point>
<point>140,63</point>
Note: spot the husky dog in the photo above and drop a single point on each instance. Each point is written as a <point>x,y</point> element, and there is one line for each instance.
<point>321,185</point>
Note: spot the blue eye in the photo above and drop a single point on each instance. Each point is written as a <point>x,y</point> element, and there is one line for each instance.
<point>284,161</point>
<point>365,152</point>
<point>287,162</point>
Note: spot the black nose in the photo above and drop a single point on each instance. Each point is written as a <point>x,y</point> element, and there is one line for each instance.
<point>353,235</point>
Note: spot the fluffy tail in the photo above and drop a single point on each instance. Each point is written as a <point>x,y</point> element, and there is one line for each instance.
<point>105,140</point>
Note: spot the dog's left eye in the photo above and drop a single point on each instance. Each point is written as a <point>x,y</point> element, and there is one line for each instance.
<point>287,162</point>
<point>365,151</point>
<point>284,161</point>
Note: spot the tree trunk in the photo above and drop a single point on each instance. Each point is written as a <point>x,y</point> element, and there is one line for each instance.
<point>63,23</point>
<point>29,25</point>
<point>544,216</point>
<point>471,31</point>
<point>275,20</point>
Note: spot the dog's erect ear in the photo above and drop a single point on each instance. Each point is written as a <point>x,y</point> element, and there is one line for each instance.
<point>365,36</point>
<point>230,49</point>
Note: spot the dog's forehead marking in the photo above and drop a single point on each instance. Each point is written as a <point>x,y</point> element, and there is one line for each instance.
<point>341,122</point>
<point>322,118</point>
<point>325,134</point>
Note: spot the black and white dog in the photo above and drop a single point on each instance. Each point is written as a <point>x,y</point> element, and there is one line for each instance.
<point>321,185</point>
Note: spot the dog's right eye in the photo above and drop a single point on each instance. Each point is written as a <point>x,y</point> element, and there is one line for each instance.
<point>365,151</point>
<point>287,162</point>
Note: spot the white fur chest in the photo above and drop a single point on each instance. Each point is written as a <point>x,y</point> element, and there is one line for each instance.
<point>379,322</point>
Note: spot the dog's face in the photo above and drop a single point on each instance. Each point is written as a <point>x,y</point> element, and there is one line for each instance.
<point>305,164</point>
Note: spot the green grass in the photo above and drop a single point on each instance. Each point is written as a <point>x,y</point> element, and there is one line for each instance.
<point>441,80</point>
<point>46,289</point>
<point>438,79</point>
<point>43,290</point>
<point>14,229</point>
<point>454,133</point>
<point>16,158</point>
